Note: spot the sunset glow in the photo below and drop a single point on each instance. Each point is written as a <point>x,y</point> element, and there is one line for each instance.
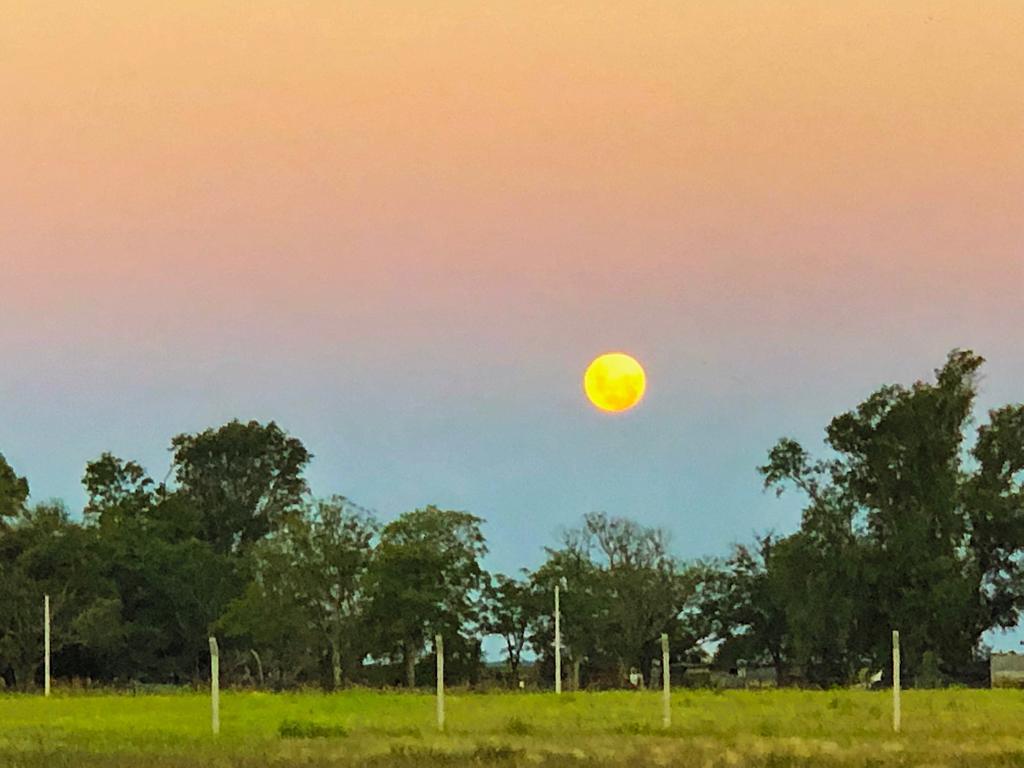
<point>391,225</point>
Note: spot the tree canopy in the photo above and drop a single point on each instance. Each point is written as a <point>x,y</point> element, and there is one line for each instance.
<point>913,519</point>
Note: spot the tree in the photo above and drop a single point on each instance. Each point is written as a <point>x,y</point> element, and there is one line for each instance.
<point>900,530</point>
<point>13,491</point>
<point>45,553</point>
<point>117,490</point>
<point>743,610</point>
<point>309,587</point>
<point>242,479</point>
<point>820,586</point>
<point>993,498</point>
<point>624,589</point>
<point>426,578</point>
<point>583,608</point>
<point>169,585</point>
<point>511,606</point>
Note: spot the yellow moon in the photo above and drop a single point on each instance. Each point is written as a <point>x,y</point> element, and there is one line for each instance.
<point>615,382</point>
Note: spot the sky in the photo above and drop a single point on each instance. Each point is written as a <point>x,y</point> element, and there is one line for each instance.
<point>402,230</point>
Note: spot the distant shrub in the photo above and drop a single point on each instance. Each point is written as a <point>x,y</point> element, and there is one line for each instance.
<point>484,754</point>
<point>402,754</point>
<point>516,726</point>
<point>491,753</point>
<point>929,675</point>
<point>635,729</point>
<point>305,729</point>
<point>395,732</point>
<point>767,728</point>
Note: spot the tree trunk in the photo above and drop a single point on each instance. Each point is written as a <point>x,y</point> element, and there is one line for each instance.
<point>576,663</point>
<point>259,666</point>
<point>336,665</point>
<point>780,669</point>
<point>410,666</point>
<point>25,677</point>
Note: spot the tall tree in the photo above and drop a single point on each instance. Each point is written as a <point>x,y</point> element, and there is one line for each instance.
<point>13,492</point>
<point>44,552</point>
<point>170,585</point>
<point>623,590</point>
<point>117,490</point>
<point>309,586</point>
<point>241,478</point>
<point>744,610</point>
<point>583,608</point>
<point>510,609</point>
<point>426,578</point>
<point>900,531</point>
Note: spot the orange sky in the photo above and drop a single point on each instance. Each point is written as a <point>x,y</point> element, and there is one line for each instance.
<point>272,116</point>
<point>395,225</point>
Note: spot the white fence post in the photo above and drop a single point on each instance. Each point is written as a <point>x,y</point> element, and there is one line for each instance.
<point>439,651</point>
<point>896,681</point>
<point>46,645</point>
<point>666,684</point>
<point>558,644</point>
<point>214,686</point>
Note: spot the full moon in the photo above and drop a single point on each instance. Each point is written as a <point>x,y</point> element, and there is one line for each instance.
<point>615,382</point>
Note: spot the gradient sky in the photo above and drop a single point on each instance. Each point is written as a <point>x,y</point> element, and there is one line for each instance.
<point>403,229</point>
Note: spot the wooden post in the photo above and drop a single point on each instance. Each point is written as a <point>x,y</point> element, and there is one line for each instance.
<point>666,684</point>
<point>439,651</point>
<point>558,644</point>
<point>214,685</point>
<point>896,681</point>
<point>46,645</point>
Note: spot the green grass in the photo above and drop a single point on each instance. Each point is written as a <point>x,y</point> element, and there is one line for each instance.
<point>588,730</point>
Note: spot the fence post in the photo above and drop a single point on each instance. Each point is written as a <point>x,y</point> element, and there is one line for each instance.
<point>558,644</point>
<point>214,685</point>
<point>46,645</point>
<point>666,684</point>
<point>439,652</point>
<point>896,681</point>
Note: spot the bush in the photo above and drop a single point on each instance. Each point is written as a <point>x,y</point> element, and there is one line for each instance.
<point>929,675</point>
<point>305,729</point>
<point>518,727</point>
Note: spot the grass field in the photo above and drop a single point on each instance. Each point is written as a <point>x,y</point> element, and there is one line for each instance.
<point>361,728</point>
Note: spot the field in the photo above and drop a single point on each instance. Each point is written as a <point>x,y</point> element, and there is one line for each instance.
<point>363,728</point>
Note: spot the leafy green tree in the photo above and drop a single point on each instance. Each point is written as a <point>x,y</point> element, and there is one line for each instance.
<point>510,608</point>
<point>117,490</point>
<point>623,589</point>
<point>13,492</point>
<point>821,587</point>
<point>993,499</point>
<point>901,530</point>
<point>308,590</point>
<point>743,611</point>
<point>19,625</point>
<point>646,588</point>
<point>242,479</point>
<point>45,553</point>
<point>583,609</point>
<point>426,578</point>
<point>170,586</point>
<point>15,607</point>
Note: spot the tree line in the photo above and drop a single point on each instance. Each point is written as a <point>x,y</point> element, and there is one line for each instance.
<point>907,525</point>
